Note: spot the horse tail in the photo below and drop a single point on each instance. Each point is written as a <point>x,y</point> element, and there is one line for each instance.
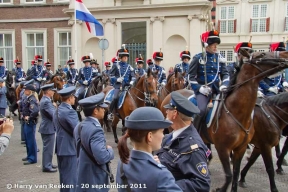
<point>123,148</point>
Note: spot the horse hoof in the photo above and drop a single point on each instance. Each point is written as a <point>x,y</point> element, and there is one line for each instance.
<point>242,184</point>
<point>284,163</point>
<point>116,140</point>
<point>280,172</point>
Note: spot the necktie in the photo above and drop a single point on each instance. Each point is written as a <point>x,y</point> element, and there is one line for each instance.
<point>169,139</point>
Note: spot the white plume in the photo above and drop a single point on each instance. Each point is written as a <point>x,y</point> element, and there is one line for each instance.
<point>91,56</point>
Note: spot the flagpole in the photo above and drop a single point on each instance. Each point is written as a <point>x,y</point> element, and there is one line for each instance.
<point>75,34</point>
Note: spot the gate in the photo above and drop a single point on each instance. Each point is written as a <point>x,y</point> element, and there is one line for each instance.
<point>134,50</point>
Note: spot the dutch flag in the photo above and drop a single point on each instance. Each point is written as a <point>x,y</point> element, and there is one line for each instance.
<point>83,14</point>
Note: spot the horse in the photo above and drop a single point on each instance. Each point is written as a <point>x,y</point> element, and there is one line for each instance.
<point>270,118</point>
<point>233,120</point>
<point>105,80</point>
<point>11,94</point>
<point>58,84</point>
<point>142,93</point>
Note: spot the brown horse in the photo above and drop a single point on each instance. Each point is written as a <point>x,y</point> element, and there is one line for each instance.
<point>142,93</point>
<point>270,118</point>
<point>58,84</point>
<point>233,120</point>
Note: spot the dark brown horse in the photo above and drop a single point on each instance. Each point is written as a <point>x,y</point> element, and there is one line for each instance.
<point>142,93</point>
<point>233,120</point>
<point>11,93</point>
<point>270,118</point>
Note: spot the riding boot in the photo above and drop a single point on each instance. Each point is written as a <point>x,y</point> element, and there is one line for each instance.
<point>111,108</point>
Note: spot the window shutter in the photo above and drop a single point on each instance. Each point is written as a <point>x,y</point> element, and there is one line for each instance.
<point>267,24</point>
<point>235,25</point>
<point>218,26</point>
<point>250,25</point>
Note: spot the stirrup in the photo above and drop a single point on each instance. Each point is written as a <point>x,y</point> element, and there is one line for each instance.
<point>110,116</point>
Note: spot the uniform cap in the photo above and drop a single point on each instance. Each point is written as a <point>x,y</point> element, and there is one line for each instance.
<point>85,59</point>
<point>210,37</point>
<point>29,82</point>
<point>1,80</point>
<point>67,91</point>
<point>1,59</point>
<point>30,87</point>
<point>93,101</point>
<point>114,59</point>
<point>47,64</point>
<point>48,86</point>
<point>107,64</point>
<point>182,105</point>
<point>17,61</point>
<point>158,55</point>
<point>38,58</point>
<point>279,46</point>
<point>70,62</point>
<point>146,118</point>
<point>243,45</point>
<point>149,62</point>
<point>185,54</point>
<point>93,61</point>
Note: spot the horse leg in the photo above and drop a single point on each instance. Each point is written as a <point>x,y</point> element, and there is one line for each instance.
<point>237,158</point>
<point>107,122</point>
<point>79,115</point>
<point>279,170</point>
<point>114,128</point>
<point>224,158</point>
<point>254,156</point>
<point>277,150</point>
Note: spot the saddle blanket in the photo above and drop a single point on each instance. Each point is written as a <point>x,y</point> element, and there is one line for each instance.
<point>109,97</point>
<point>211,111</point>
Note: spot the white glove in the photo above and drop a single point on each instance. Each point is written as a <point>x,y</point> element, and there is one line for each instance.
<point>20,79</point>
<point>163,83</point>
<point>39,79</point>
<point>23,79</point>
<point>285,84</point>
<point>205,90</point>
<point>273,90</point>
<point>44,79</point>
<point>260,94</point>
<point>85,82</point>
<point>131,82</point>
<point>4,78</point>
<point>222,87</point>
<point>119,79</point>
<point>73,81</point>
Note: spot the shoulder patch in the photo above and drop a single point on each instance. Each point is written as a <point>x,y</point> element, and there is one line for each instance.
<point>31,106</point>
<point>202,168</point>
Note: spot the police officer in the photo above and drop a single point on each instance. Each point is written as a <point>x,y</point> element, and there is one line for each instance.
<point>20,108</point>
<point>47,129</point>
<point>183,151</point>
<point>139,70</point>
<point>94,154</point>
<point>158,57</point>
<point>30,110</point>
<point>20,74</point>
<point>3,99</point>
<point>3,69</point>
<point>184,66</point>
<point>65,119</point>
<point>38,72</point>
<point>124,75</point>
<point>215,66</point>
<point>48,73</point>
<point>273,84</point>
<point>72,74</point>
<point>145,128</point>
<point>86,74</point>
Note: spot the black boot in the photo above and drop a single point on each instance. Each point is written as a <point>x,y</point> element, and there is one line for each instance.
<point>111,108</point>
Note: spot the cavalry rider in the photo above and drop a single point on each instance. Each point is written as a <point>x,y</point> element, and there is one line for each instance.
<point>38,72</point>
<point>29,71</point>
<point>214,65</point>
<point>124,75</point>
<point>108,68</point>
<point>184,66</point>
<point>139,70</point>
<point>3,69</point>
<point>48,73</point>
<point>72,74</point>
<point>158,57</point>
<point>20,74</point>
<point>95,66</point>
<point>272,85</point>
<point>86,74</point>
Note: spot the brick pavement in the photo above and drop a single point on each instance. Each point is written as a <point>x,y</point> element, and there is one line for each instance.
<point>14,172</point>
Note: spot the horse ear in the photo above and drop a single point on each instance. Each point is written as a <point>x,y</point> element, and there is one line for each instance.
<point>149,72</point>
<point>176,74</point>
<point>244,53</point>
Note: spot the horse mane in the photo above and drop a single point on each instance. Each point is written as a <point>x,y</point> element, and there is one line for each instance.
<point>278,100</point>
<point>137,79</point>
<point>169,76</point>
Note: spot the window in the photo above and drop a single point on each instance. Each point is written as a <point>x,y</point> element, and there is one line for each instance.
<point>259,21</point>
<point>64,47</point>
<point>260,50</point>
<point>286,18</point>
<point>227,23</point>
<point>228,55</point>
<point>6,49</point>
<point>34,1</point>
<point>5,1</point>
<point>34,46</point>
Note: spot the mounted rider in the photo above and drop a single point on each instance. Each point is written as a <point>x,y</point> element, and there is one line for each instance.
<point>158,57</point>
<point>95,65</point>
<point>273,84</point>
<point>139,70</point>
<point>149,62</point>
<point>19,71</point>
<point>29,71</point>
<point>184,66</point>
<point>124,75</point>
<point>3,69</point>
<point>38,72</point>
<point>108,68</point>
<point>86,75</point>
<point>48,73</point>
<point>72,74</point>
<point>204,71</point>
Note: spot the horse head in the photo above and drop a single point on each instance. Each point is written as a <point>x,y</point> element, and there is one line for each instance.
<point>10,79</point>
<point>58,81</point>
<point>96,85</point>
<point>149,86</point>
<point>105,79</point>
<point>176,81</point>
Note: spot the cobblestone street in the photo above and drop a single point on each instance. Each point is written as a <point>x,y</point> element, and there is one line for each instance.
<point>15,174</point>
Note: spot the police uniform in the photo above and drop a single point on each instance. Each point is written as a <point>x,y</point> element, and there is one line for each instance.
<point>142,170</point>
<point>20,74</point>
<point>183,151</point>
<point>183,67</point>
<point>161,71</point>
<point>3,99</point>
<point>72,74</point>
<point>124,75</point>
<point>48,73</point>
<point>86,74</point>
<point>215,66</point>
<point>93,153</point>
<point>3,70</point>
<point>30,108</point>
<point>38,72</point>
<point>65,119</point>
<point>272,85</point>
<point>139,70</point>
<point>47,130</point>
<point>21,97</point>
